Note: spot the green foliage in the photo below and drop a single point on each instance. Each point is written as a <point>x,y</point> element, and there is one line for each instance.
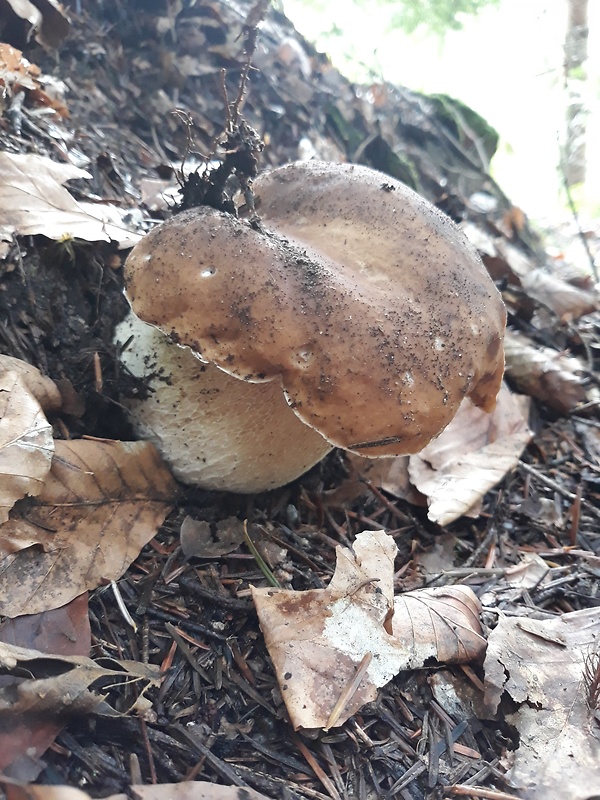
<point>438,16</point>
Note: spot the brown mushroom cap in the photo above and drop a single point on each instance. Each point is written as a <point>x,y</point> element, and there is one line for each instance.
<point>366,303</point>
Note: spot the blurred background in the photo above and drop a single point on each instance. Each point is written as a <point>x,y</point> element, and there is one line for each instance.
<point>531,68</point>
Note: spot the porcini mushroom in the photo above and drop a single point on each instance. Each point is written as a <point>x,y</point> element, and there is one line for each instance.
<point>356,315</point>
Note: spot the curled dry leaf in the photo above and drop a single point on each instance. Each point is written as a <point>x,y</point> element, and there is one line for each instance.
<point>47,690</point>
<point>320,638</point>
<point>44,18</point>
<point>101,503</point>
<point>62,631</point>
<point>505,261</point>
<point>558,380</point>
<point>540,665</point>
<point>470,457</point>
<point>34,201</point>
<point>43,389</point>
<point>26,441</point>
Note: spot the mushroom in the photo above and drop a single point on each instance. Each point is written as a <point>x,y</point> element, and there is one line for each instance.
<point>355,315</point>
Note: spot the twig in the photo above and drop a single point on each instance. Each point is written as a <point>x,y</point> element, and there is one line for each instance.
<point>250,34</point>
<point>316,767</point>
<point>349,691</point>
<point>558,488</point>
<point>477,791</point>
<point>573,208</point>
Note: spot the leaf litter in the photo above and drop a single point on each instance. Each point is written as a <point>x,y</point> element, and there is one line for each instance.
<point>191,612</point>
<point>102,501</point>
<point>319,639</point>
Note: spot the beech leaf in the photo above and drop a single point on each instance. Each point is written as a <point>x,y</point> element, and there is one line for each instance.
<point>102,502</point>
<point>541,666</point>
<point>45,690</point>
<point>62,631</point>
<point>34,201</point>
<point>26,442</point>
<point>321,640</point>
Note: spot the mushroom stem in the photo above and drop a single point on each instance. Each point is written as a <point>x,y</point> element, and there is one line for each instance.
<point>213,429</point>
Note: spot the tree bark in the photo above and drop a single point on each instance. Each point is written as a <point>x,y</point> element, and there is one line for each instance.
<point>576,53</point>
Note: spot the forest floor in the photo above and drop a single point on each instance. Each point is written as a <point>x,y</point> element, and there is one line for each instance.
<point>522,723</point>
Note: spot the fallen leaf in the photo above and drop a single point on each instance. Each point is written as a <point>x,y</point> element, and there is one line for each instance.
<point>55,25</point>
<point>44,18</point>
<point>539,665</point>
<point>159,195</point>
<point>62,631</point>
<point>198,539</point>
<point>43,389</point>
<point>101,503</point>
<point>26,442</point>
<point>470,457</point>
<point>34,201</point>
<point>558,380</point>
<point>194,790</point>
<point>46,690</point>
<point>23,792</point>
<point>318,639</point>
<point>564,299</point>
<point>25,11</point>
<point>186,790</point>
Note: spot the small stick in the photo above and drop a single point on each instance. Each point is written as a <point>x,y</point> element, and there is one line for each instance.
<point>122,607</point>
<point>315,766</point>
<point>153,776</point>
<point>558,488</point>
<point>349,691</point>
<point>476,791</point>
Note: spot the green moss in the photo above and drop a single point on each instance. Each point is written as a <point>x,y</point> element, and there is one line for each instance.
<point>464,123</point>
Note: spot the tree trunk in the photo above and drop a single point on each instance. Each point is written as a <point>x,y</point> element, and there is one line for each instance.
<point>576,53</point>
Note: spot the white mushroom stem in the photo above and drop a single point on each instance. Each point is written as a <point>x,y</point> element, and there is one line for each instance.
<point>213,429</point>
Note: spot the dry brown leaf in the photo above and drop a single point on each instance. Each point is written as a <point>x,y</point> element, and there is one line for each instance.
<point>186,790</point>
<point>43,389</point>
<point>17,791</point>
<point>16,71</point>
<point>198,539</point>
<point>24,10</point>
<point>505,261</point>
<point>46,689</point>
<point>194,790</point>
<point>159,195</point>
<point>26,443</point>
<point>539,664</point>
<point>102,502</point>
<point>470,457</point>
<point>55,25</point>
<point>43,17</point>
<point>456,469</point>
<point>388,473</point>
<point>62,631</point>
<point>565,300</point>
<point>552,377</point>
<point>34,201</point>
<point>317,639</point>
